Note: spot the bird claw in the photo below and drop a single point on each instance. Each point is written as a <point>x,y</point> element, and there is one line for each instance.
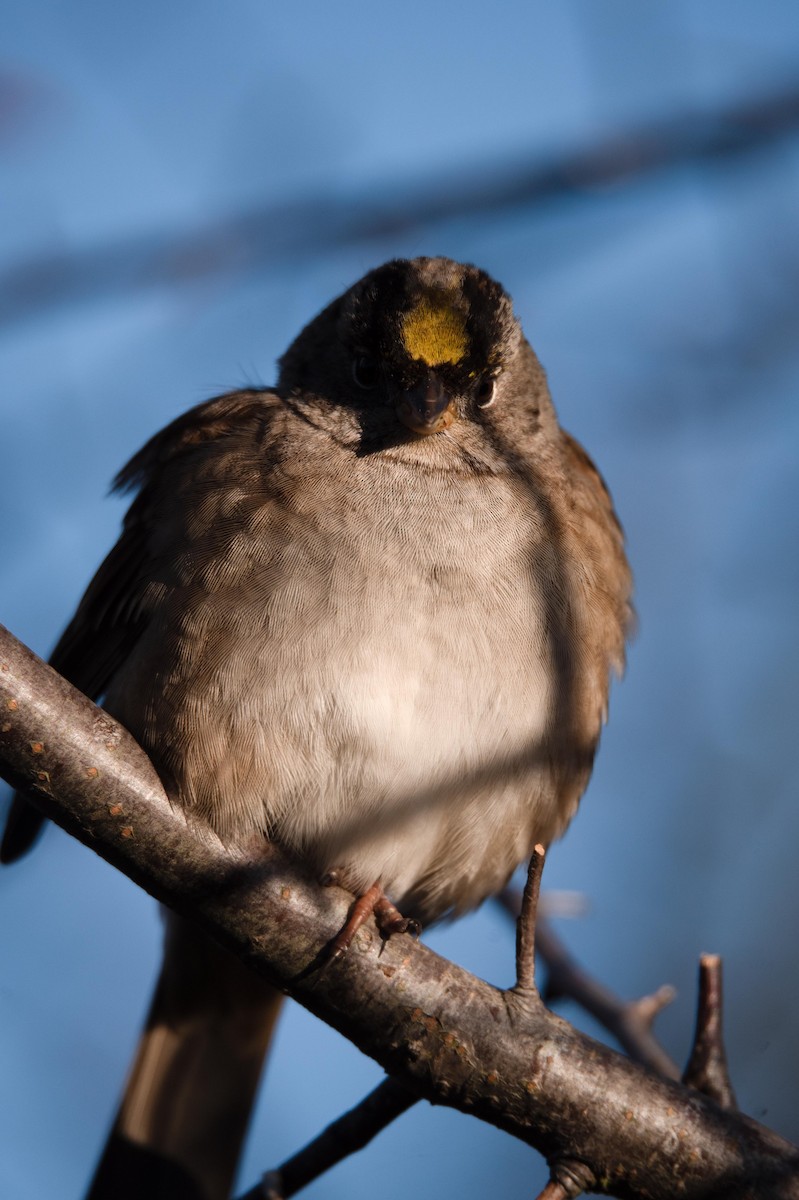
<point>373,901</point>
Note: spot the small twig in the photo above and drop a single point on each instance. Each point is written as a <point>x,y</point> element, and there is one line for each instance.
<point>525,924</point>
<point>630,1022</point>
<point>707,1069</point>
<point>573,1177</point>
<point>568,1180</point>
<point>553,1191</point>
<point>350,1133</point>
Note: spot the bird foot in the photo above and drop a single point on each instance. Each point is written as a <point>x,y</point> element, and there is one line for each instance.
<point>373,901</point>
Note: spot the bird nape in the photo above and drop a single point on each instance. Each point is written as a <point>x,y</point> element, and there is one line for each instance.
<point>370,614</point>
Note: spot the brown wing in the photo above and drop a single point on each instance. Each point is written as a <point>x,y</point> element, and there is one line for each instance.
<point>113,612</point>
<point>602,529</point>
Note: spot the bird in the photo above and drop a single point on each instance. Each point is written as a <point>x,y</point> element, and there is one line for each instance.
<point>371,615</point>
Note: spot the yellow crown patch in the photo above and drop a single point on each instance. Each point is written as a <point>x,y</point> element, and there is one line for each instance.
<point>435,331</point>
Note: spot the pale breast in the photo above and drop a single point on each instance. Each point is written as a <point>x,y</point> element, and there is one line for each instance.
<point>370,680</point>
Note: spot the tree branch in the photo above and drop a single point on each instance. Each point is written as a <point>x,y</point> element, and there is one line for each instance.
<point>449,1036</point>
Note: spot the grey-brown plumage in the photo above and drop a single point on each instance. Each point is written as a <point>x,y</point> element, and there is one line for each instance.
<point>371,614</point>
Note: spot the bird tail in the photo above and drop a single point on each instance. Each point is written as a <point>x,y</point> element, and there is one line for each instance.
<point>186,1106</point>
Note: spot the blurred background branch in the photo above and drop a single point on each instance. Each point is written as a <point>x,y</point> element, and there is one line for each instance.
<point>269,236</point>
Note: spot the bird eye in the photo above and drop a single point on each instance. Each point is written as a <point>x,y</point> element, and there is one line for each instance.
<point>485,392</point>
<point>365,371</point>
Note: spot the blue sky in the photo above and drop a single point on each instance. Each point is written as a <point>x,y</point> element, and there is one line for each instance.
<point>180,185</point>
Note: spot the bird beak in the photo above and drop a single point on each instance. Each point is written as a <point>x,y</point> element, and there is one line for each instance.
<point>428,408</point>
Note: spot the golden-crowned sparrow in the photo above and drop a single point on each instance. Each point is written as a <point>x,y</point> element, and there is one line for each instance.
<point>370,614</point>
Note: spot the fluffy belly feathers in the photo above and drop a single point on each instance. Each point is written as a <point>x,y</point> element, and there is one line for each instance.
<point>388,724</point>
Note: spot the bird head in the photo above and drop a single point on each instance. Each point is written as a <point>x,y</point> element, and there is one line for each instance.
<point>415,348</point>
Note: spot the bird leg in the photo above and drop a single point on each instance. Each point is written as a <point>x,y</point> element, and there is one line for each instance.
<point>374,900</point>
